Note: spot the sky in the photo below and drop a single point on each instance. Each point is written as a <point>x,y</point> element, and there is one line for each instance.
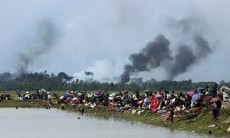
<point>99,36</point>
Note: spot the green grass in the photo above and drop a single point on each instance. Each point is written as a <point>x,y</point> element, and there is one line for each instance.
<point>29,103</point>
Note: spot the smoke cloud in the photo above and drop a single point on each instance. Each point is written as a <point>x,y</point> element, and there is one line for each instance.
<point>101,71</point>
<point>43,43</point>
<point>152,56</point>
<point>202,46</point>
<point>158,53</point>
<point>185,57</point>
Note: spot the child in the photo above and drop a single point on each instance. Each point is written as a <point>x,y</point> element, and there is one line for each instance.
<point>170,116</point>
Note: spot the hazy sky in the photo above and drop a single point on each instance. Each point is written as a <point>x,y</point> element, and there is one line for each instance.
<point>100,35</point>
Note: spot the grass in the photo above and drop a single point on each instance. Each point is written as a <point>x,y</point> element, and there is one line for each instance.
<point>23,104</point>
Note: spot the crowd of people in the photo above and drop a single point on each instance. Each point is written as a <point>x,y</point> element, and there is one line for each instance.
<point>156,102</point>
<point>39,94</point>
<point>139,102</point>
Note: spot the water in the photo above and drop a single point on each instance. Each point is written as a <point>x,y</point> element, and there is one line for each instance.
<point>54,123</point>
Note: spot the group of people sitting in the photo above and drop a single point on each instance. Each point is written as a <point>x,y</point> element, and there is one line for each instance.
<point>158,102</point>
<point>39,94</point>
<point>138,102</point>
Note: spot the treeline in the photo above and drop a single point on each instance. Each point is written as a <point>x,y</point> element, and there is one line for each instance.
<point>62,82</point>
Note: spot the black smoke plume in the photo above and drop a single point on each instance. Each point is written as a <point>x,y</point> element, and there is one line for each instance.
<point>158,51</point>
<point>186,57</point>
<point>183,59</point>
<point>152,56</point>
<point>202,46</point>
<point>43,43</point>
